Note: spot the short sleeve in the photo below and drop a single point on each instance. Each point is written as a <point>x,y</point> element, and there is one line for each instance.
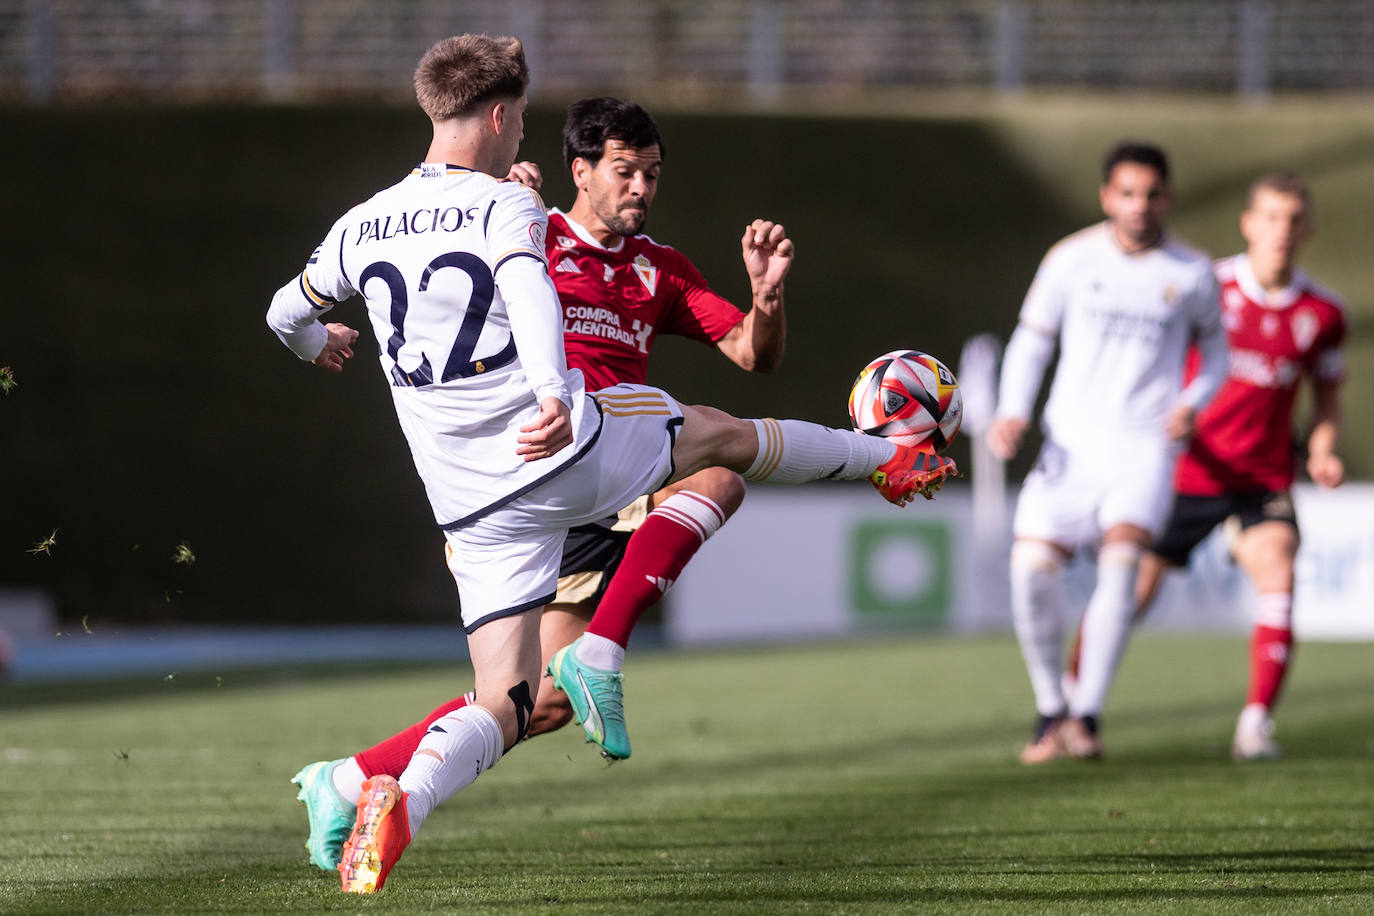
<point>324,283</point>
<point>516,225</point>
<point>699,313</point>
<point>1328,364</point>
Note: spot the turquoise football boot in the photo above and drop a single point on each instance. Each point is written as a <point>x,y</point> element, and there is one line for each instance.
<point>331,818</point>
<point>597,699</point>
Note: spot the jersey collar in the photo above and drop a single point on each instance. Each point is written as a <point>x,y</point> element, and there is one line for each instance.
<point>1110,233</point>
<point>435,169</point>
<point>1245,279</point>
<point>581,232</point>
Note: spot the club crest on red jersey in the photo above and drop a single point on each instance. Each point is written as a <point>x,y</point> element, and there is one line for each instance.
<point>1305,326</point>
<point>647,273</point>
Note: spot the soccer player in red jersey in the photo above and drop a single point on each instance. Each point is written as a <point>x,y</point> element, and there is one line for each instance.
<point>1280,326</point>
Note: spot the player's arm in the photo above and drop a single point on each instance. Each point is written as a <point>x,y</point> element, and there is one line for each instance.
<point>518,225</point>
<point>299,305</point>
<point>1210,339</point>
<point>1027,356</point>
<point>537,327</point>
<point>757,342</point>
<point>1323,464</point>
<point>1023,368</point>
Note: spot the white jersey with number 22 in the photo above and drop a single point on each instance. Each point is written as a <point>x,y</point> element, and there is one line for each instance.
<point>452,267</point>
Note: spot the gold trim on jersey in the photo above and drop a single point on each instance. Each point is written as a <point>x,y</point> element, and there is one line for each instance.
<point>317,297</point>
<point>634,404</point>
<point>529,251</point>
<point>770,449</point>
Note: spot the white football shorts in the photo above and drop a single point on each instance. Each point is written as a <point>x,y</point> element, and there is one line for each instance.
<point>507,561</point>
<point>1072,497</point>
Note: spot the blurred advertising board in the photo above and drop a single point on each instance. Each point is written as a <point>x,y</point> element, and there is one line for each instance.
<point>833,560</point>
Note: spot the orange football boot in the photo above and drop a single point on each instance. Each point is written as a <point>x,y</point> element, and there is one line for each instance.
<point>911,471</point>
<point>380,834</point>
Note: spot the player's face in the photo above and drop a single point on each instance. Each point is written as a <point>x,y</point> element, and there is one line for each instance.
<point>621,187</point>
<point>1135,199</point>
<point>1275,225</point>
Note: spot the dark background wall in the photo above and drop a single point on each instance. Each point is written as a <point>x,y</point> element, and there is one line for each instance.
<point>155,408</point>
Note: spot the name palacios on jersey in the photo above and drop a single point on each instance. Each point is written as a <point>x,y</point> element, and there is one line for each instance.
<point>415,222</point>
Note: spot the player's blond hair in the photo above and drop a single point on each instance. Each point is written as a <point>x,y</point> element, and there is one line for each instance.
<point>460,73</point>
<point>1281,181</point>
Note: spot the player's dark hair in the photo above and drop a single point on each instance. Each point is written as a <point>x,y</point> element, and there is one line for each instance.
<point>1138,153</point>
<point>461,73</point>
<point>1283,182</point>
<point>591,122</point>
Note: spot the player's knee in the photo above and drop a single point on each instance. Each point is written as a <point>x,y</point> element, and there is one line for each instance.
<point>722,486</point>
<point>1120,554</point>
<point>1032,557</point>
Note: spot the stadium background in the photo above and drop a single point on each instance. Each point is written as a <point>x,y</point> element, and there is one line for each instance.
<point>168,165</point>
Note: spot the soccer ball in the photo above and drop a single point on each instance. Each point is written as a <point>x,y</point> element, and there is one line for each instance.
<point>909,397</point>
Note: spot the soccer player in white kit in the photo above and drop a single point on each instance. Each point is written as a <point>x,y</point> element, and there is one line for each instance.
<point>512,453</point>
<point>1123,300</point>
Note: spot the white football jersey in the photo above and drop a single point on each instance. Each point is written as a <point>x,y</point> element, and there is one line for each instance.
<point>452,267</point>
<point>1124,323</point>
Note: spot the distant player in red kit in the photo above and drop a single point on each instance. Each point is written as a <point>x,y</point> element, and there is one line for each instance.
<point>1280,326</point>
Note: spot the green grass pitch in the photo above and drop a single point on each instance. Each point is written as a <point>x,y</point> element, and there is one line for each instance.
<point>857,777</point>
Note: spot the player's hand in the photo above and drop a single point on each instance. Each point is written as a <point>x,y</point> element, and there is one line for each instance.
<point>1180,423</point>
<point>549,434</point>
<point>527,173</point>
<point>337,348</point>
<point>1326,470</point>
<point>767,255</point>
<point>1004,436</point>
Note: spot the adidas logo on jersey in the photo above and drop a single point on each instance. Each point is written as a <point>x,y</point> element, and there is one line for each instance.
<point>567,267</point>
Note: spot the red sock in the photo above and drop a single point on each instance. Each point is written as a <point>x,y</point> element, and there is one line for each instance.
<point>1270,648</point>
<point>654,558</point>
<point>392,756</point>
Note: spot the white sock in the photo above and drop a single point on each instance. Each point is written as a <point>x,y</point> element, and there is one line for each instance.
<point>600,652</point>
<point>1106,626</point>
<point>348,780</point>
<point>1036,571</point>
<point>795,451</point>
<point>457,749</point>
<point>699,514</point>
<point>1274,609</point>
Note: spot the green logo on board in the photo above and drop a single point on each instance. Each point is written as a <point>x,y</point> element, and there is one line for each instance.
<point>901,570</point>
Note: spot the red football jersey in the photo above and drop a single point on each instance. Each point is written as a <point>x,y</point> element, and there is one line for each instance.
<point>1244,437</point>
<point>617,301</point>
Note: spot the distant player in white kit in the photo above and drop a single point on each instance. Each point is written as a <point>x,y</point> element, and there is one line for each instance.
<point>512,452</point>
<point>1124,300</point>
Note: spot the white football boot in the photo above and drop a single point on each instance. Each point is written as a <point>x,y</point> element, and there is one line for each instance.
<point>1254,738</point>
